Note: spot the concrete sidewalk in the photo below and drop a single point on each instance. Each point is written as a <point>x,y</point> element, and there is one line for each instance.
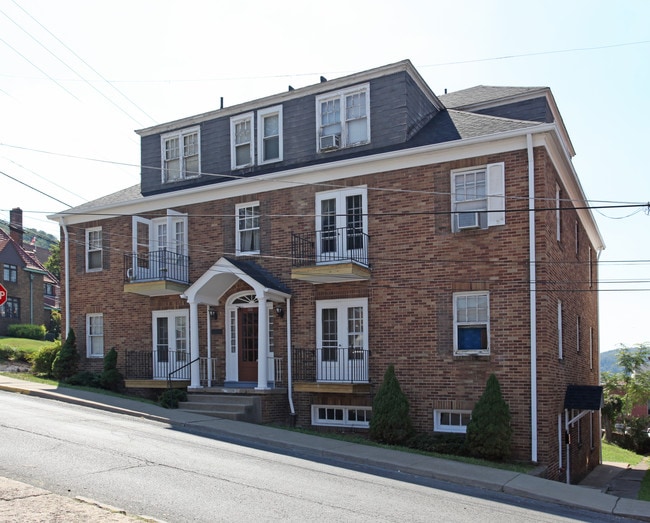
<point>595,493</point>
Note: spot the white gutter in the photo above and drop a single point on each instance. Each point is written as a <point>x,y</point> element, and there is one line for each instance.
<point>533,299</point>
<point>289,375</point>
<point>66,257</point>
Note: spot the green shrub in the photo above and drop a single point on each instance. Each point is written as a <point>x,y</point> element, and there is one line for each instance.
<point>390,422</point>
<point>440,443</point>
<point>84,379</point>
<point>43,359</point>
<point>27,330</point>
<point>170,398</point>
<point>6,353</point>
<point>489,434</point>
<point>111,378</point>
<point>54,328</point>
<point>65,364</point>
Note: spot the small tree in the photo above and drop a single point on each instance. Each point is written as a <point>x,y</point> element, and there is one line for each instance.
<point>390,422</point>
<point>489,434</point>
<point>111,378</point>
<point>66,362</point>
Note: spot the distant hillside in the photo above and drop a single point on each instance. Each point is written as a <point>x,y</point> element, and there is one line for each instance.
<point>608,361</point>
<point>43,239</point>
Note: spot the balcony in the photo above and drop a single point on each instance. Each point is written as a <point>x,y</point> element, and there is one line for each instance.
<point>330,256</point>
<point>156,273</point>
<point>331,369</point>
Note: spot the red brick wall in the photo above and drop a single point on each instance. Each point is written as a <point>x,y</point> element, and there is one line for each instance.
<point>417,265</point>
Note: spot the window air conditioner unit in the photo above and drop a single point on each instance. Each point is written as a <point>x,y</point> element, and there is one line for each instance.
<point>330,142</point>
<point>468,220</point>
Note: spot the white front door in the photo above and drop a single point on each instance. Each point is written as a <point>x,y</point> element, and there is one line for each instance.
<point>170,345</point>
<point>341,225</point>
<point>342,345</point>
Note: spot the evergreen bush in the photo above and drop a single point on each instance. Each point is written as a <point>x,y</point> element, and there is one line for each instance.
<point>26,330</point>
<point>170,398</point>
<point>489,434</point>
<point>66,362</point>
<point>111,378</point>
<point>390,422</point>
<point>84,379</point>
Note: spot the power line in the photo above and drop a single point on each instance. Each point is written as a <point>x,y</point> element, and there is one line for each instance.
<point>37,67</point>
<point>338,186</point>
<point>34,189</point>
<point>85,63</point>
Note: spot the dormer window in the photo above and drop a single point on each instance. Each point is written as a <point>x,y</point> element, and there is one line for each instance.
<point>180,151</point>
<point>343,118</point>
<point>241,139</point>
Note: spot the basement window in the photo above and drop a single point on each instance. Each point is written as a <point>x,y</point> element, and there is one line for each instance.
<point>341,416</point>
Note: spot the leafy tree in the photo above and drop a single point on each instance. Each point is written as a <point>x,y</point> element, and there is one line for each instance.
<point>53,263</point>
<point>627,388</point>
<point>390,422</point>
<point>489,434</point>
<point>66,362</point>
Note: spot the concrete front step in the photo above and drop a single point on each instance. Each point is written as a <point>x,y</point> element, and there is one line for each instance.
<point>228,406</point>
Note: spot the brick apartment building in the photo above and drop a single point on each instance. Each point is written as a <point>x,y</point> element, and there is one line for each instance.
<point>32,291</point>
<point>287,250</point>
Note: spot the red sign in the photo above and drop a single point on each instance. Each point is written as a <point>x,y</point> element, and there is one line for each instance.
<point>3,294</point>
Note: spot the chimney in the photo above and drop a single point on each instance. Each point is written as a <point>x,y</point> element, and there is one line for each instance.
<point>16,225</point>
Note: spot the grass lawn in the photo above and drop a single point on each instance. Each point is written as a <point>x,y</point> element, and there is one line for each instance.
<point>24,344</point>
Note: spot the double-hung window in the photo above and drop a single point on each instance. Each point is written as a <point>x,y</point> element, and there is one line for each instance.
<point>269,135</point>
<point>181,155</point>
<point>478,197</point>
<point>95,335</point>
<point>343,118</point>
<point>342,226</point>
<point>94,251</point>
<point>241,139</point>
<point>10,273</point>
<point>248,228</point>
<point>11,308</point>
<point>471,323</point>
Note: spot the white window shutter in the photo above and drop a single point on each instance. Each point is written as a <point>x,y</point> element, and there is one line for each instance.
<point>496,190</point>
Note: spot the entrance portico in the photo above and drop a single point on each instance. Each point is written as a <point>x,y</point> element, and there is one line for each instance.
<point>212,286</point>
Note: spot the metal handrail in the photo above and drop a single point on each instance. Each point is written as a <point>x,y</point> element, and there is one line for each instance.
<point>169,374</point>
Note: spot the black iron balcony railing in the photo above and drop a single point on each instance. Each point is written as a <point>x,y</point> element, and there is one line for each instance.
<point>161,265</point>
<point>330,246</point>
<point>331,364</point>
<point>160,364</point>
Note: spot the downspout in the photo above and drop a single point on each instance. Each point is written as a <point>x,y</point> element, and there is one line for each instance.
<point>31,297</point>
<point>533,298</point>
<point>66,268</point>
<point>289,375</point>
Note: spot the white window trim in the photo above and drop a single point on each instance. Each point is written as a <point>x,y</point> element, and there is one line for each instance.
<point>439,427</point>
<point>558,214</point>
<point>239,250</point>
<point>89,338</point>
<point>179,134</point>
<point>233,125</point>
<point>465,352</point>
<point>341,94</point>
<point>263,113</point>
<point>494,194</point>
<point>87,249</point>
<point>560,348</point>
<point>345,422</point>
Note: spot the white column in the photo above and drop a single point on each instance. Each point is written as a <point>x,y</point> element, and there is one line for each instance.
<point>195,370</point>
<point>262,345</point>
<point>208,363</point>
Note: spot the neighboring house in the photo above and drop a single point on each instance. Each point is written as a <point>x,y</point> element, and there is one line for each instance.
<point>293,247</point>
<point>32,291</point>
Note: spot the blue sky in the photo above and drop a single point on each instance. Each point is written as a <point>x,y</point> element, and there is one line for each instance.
<point>78,77</point>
